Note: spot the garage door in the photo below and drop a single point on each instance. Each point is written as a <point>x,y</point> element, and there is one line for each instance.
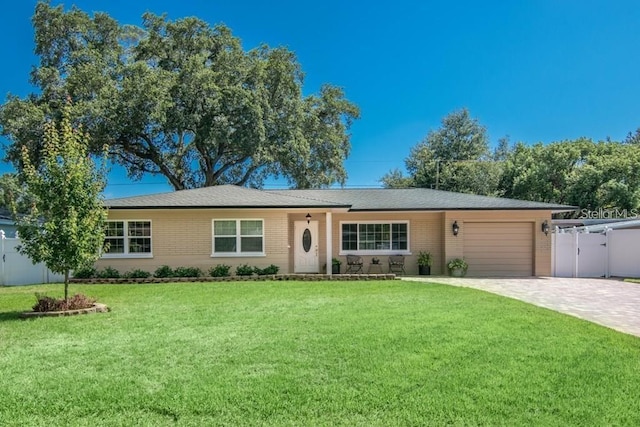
<point>499,249</point>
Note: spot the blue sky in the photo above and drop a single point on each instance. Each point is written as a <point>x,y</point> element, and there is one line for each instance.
<point>537,70</point>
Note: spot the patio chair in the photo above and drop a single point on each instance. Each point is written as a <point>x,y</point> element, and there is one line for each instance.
<point>396,264</point>
<point>354,264</point>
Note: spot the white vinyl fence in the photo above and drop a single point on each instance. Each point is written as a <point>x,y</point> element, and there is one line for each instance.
<point>614,253</point>
<point>18,269</point>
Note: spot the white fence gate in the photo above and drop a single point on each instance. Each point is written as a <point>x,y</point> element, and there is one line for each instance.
<point>614,253</point>
<point>18,269</point>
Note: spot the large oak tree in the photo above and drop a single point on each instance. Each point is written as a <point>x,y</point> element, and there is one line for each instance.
<point>454,157</point>
<point>182,99</point>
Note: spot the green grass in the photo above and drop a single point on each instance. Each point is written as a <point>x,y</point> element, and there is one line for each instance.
<point>311,353</point>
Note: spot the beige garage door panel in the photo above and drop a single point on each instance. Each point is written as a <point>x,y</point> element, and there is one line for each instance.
<point>499,249</point>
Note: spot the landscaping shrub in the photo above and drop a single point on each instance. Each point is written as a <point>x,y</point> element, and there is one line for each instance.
<point>45,303</point>
<point>187,272</point>
<point>163,271</point>
<point>85,273</point>
<point>272,269</point>
<point>220,270</point>
<point>76,302</point>
<point>109,273</point>
<point>137,274</point>
<point>244,270</point>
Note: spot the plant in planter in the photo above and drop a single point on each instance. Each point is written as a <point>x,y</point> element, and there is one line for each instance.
<point>375,260</point>
<point>335,266</point>
<point>424,263</point>
<point>457,267</point>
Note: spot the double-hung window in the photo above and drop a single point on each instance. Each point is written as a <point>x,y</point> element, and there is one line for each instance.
<point>127,239</point>
<point>375,237</point>
<point>238,237</point>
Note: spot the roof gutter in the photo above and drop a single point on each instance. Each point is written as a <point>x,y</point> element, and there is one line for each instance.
<point>600,228</point>
<point>231,207</point>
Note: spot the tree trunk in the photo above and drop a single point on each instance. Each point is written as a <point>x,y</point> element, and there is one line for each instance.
<point>66,286</point>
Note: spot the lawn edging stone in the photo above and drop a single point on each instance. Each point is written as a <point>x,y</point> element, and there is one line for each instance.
<point>276,277</point>
<point>96,308</point>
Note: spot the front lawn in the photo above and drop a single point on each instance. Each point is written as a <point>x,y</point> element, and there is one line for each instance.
<point>311,353</point>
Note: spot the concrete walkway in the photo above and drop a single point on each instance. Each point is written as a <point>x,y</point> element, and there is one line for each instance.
<point>608,302</point>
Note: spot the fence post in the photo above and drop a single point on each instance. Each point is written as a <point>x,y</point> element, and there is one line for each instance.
<point>2,237</point>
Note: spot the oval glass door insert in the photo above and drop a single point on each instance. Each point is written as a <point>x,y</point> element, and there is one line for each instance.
<point>306,240</point>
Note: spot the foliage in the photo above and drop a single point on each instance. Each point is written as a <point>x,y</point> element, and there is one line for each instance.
<point>391,352</point>
<point>457,263</point>
<point>336,261</point>
<point>271,269</point>
<point>582,173</point>
<point>633,138</point>
<point>163,271</point>
<point>136,274</point>
<point>78,301</point>
<point>425,258</point>
<point>244,270</point>
<point>220,270</point>
<point>85,273</point>
<point>396,179</point>
<point>187,272</point>
<point>453,158</point>
<point>14,197</point>
<point>64,227</point>
<point>590,175</point>
<point>109,273</point>
<point>182,99</point>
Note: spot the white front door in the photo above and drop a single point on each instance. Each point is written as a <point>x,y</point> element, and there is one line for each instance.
<point>306,255</point>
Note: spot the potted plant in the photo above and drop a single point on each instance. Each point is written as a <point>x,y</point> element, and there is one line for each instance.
<point>457,267</point>
<point>335,266</point>
<point>424,263</point>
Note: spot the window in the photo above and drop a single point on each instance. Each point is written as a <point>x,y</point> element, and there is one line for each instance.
<point>391,237</point>
<point>238,237</point>
<point>127,239</point>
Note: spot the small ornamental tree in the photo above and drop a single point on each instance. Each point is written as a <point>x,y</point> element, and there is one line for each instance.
<point>65,225</point>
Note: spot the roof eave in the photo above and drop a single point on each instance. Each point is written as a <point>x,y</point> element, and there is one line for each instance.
<point>231,207</point>
<point>464,209</point>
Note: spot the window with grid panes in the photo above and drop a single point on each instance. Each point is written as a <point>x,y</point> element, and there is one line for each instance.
<point>127,238</point>
<point>375,237</point>
<point>237,237</point>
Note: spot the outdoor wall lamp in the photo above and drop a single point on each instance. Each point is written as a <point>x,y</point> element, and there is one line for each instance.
<point>455,228</point>
<point>545,227</point>
<point>308,218</point>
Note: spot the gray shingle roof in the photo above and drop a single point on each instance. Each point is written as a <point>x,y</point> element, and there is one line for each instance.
<point>221,196</point>
<point>373,199</point>
<point>383,199</point>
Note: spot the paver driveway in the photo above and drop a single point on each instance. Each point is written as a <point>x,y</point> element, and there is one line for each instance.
<point>612,303</point>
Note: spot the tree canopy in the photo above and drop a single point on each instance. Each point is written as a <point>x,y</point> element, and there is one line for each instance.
<point>64,227</point>
<point>584,173</point>
<point>455,157</point>
<point>13,195</point>
<point>181,99</point>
